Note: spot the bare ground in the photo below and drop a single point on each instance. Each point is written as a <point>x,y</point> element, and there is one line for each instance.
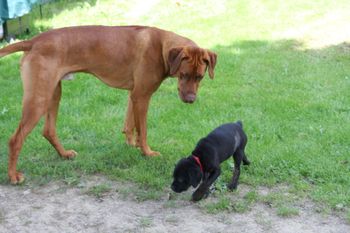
<point>56,207</point>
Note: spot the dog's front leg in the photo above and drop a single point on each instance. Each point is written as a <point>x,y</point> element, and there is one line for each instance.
<point>140,107</point>
<point>205,185</point>
<point>146,82</point>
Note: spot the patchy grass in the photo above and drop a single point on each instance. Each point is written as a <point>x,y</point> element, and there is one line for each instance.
<point>286,211</point>
<point>219,205</point>
<point>99,191</point>
<point>139,193</point>
<point>2,216</point>
<point>292,96</point>
<point>230,202</point>
<point>146,222</point>
<point>348,217</point>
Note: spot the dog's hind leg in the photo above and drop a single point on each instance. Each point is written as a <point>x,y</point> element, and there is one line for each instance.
<point>35,100</point>
<point>245,159</point>
<point>129,125</point>
<point>49,131</point>
<point>237,157</point>
<point>30,117</point>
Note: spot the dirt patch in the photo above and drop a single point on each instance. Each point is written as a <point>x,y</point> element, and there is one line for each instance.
<point>99,205</point>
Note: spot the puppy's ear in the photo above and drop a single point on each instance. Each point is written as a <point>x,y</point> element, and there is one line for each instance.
<point>175,57</point>
<point>210,59</point>
<point>195,177</point>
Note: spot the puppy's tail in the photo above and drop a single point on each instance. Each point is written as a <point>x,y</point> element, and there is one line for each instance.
<point>240,123</point>
<point>16,47</point>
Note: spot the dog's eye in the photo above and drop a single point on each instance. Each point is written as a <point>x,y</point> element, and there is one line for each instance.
<point>184,76</point>
<point>198,77</point>
<point>180,180</point>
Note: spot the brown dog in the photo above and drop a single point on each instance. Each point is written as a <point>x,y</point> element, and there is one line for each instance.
<point>134,58</point>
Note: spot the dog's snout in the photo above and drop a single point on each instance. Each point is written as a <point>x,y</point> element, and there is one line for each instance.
<point>190,98</point>
<point>176,188</point>
<point>173,187</point>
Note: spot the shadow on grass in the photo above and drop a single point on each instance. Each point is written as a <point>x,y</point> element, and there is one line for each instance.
<point>290,99</point>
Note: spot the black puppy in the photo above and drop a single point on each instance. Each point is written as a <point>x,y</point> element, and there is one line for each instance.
<point>204,163</point>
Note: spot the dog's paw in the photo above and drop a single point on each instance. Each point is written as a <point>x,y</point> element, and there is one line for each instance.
<point>197,196</point>
<point>131,142</point>
<point>131,139</point>
<point>18,178</point>
<point>232,186</point>
<point>150,153</point>
<point>246,162</point>
<point>153,153</point>
<point>206,194</point>
<point>69,154</point>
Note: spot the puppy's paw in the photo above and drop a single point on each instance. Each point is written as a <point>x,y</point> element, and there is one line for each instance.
<point>197,196</point>
<point>232,186</point>
<point>206,194</point>
<point>246,162</point>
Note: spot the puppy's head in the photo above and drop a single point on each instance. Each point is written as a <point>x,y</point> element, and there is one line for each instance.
<point>186,173</point>
<point>189,64</point>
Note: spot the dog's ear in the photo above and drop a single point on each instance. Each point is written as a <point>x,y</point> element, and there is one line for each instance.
<point>175,57</point>
<point>195,177</point>
<point>210,59</point>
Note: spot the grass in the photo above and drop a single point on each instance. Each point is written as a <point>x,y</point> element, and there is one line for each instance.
<point>2,217</point>
<point>285,211</point>
<point>283,69</point>
<point>146,222</point>
<point>99,191</point>
<point>230,203</point>
<point>140,194</point>
<point>222,204</point>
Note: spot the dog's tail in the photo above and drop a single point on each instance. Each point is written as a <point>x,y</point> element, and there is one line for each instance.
<point>16,47</point>
<point>240,123</point>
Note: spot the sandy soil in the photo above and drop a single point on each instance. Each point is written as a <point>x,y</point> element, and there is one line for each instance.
<point>58,208</point>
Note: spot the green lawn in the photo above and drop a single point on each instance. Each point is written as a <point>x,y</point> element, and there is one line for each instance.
<point>283,69</point>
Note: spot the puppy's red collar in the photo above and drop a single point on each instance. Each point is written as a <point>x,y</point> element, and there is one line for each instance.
<point>198,162</point>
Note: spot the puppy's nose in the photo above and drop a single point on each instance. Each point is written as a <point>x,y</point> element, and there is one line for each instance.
<point>190,98</point>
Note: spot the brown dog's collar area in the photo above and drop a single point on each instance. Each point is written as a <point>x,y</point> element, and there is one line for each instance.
<point>198,162</point>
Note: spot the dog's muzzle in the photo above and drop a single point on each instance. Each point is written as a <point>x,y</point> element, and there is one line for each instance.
<point>173,187</point>
<point>177,189</point>
<point>188,98</point>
